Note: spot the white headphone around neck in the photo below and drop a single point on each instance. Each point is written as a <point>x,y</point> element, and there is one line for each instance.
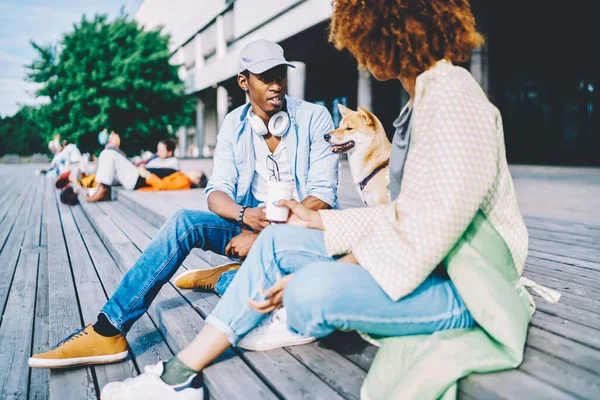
<point>278,124</point>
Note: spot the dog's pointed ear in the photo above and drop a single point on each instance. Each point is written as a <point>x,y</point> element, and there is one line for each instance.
<point>343,109</point>
<point>370,119</point>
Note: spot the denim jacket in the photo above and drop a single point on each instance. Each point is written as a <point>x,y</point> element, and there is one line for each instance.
<point>314,166</point>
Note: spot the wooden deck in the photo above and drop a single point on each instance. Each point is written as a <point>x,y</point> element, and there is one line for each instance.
<point>58,264</point>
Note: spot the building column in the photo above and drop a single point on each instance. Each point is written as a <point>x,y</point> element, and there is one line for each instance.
<point>222,105</point>
<point>199,128</point>
<point>178,59</point>
<point>297,80</point>
<point>365,94</point>
<point>198,59</point>
<point>221,42</point>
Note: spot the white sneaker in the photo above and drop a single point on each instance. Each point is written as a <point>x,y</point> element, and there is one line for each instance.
<point>149,386</point>
<point>273,333</point>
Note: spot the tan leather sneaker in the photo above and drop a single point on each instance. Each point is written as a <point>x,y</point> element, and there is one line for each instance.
<point>84,347</point>
<point>203,278</point>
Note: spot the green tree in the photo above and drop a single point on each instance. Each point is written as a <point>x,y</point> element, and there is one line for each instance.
<point>24,133</point>
<point>112,75</point>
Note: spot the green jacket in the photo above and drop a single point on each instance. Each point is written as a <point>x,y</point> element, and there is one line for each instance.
<point>428,366</point>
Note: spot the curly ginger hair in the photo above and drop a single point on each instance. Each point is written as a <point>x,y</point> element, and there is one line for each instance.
<point>404,37</point>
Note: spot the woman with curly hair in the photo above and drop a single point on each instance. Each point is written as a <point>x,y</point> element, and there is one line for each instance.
<point>436,271</point>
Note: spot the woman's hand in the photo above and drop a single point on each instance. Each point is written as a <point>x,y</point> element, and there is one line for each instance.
<point>256,218</point>
<point>302,215</point>
<point>274,296</point>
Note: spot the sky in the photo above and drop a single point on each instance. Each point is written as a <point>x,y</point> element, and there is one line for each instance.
<point>44,22</point>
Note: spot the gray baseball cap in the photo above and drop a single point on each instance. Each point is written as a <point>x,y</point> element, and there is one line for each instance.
<point>260,56</point>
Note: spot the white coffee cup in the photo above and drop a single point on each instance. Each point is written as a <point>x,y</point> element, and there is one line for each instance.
<point>278,191</point>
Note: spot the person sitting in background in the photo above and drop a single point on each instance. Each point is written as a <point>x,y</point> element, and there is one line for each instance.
<point>115,168</point>
<point>68,156</point>
<point>71,165</point>
<point>114,143</point>
<point>175,181</point>
<point>52,170</point>
<point>161,163</point>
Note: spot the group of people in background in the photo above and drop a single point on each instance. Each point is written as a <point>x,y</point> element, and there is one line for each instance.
<point>152,172</point>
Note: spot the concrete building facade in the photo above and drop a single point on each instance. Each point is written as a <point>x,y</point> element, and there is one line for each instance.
<point>528,45</point>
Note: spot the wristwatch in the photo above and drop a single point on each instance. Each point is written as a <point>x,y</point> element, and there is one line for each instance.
<point>241,217</point>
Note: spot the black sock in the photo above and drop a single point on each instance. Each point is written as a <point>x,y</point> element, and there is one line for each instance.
<point>103,327</point>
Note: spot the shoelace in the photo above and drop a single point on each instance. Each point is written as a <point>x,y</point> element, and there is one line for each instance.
<point>77,334</point>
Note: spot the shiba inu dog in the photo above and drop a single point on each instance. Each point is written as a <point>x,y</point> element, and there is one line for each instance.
<point>362,137</point>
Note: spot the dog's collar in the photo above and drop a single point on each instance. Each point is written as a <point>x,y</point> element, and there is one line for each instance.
<point>365,181</point>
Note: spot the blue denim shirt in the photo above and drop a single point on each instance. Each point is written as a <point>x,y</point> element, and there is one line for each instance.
<point>314,166</point>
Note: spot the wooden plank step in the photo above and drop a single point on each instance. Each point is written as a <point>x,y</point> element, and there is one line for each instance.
<point>16,329</point>
<point>560,374</point>
<point>557,225</point>
<point>11,247</point>
<point>577,252</point>
<point>39,379</point>
<point>563,259</point>
<point>15,204</point>
<point>567,329</point>
<point>90,293</point>
<point>567,350</point>
<point>582,277</point>
<point>592,242</point>
<point>512,384</point>
<point>63,308</point>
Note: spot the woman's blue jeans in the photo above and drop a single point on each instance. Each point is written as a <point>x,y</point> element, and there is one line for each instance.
<point>324,294</point>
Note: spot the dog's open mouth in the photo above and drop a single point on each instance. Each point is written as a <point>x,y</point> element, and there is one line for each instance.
<point>342,148</point>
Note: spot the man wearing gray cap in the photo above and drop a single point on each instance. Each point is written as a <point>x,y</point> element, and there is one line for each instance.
<point>273,138</point>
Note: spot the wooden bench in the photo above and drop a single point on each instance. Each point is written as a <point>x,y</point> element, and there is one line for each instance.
<point>39,158</point>
<point>11,159</point>
<point>60,264</point>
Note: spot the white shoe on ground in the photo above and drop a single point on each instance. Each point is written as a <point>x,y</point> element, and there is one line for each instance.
<point>273,333</point>
<point>149,386</point>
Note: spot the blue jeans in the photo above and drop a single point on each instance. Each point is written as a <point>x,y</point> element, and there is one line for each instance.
<point>185,230</point>
<point>324,295</point>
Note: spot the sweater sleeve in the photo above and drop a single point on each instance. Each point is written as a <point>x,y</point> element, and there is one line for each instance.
<point>343,228</point>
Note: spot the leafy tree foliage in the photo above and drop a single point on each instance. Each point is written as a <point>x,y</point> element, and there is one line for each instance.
<point>23,133</point>
<point>112,75</point>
